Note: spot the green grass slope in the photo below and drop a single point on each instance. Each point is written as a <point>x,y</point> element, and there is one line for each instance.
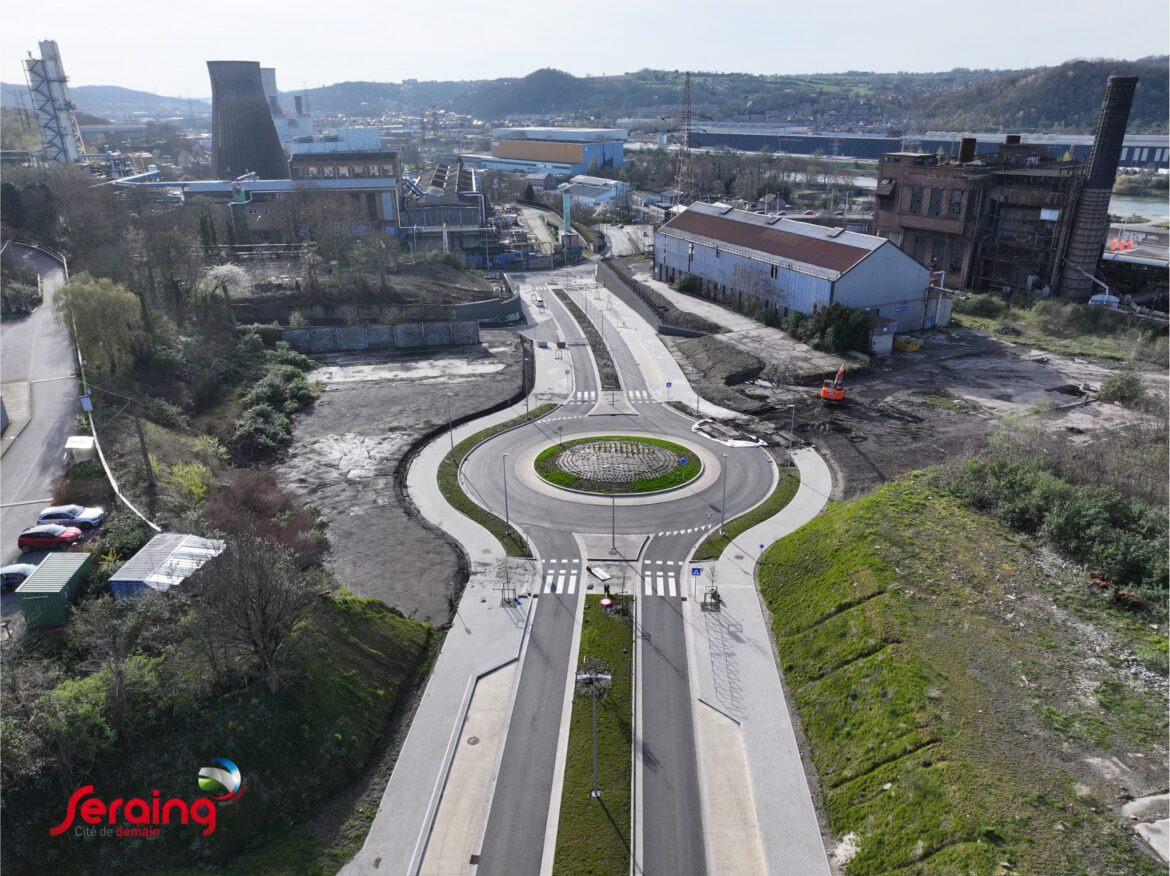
<point>296,749</point>
<point>953,691</point>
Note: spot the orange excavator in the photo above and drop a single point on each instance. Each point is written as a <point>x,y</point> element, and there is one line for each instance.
<point>834,390</point>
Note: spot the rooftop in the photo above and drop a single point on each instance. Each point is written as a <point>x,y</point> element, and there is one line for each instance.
<point>168,559</point>
<point>54,572</point>
<point>826,252</point>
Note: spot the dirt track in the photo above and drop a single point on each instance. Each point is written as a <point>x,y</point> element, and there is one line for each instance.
<point>919,409</point>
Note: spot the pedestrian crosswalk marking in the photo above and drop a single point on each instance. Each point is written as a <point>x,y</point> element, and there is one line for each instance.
<point>561,575</point>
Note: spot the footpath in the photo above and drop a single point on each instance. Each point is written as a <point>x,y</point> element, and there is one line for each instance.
<point>757,805</point>
<point>457,733</point>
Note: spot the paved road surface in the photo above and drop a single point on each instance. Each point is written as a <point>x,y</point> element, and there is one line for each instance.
<point>35,350</point>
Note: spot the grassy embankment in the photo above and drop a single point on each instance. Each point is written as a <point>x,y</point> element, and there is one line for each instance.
<point>1066,328</point>
<point>714,544</point>
<point>448,478</point>
<point>546,467</point>
<point>593,837</point>
<point>299,751</point>
<point>953,690</point>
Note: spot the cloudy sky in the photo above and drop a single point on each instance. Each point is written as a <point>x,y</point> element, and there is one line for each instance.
<point>162,48</point>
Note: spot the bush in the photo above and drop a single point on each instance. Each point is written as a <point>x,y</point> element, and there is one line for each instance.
<point>1124,387</point>
<point>19,298</point>
<point>1091,524</point>
<point>283,354</point>
<point>164,413</point>
<point>123,535</point>
<point>979,305</point>
<point>253,502</point>
<point>261,432</point>
<point>190,480</point>
<point>84,483</point>
<point>689,283</point>
<point>832,329</point>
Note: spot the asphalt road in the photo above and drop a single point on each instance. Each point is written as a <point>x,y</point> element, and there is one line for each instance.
<point>35,350</point>
<point>672,831</point>
<point>672,820</point>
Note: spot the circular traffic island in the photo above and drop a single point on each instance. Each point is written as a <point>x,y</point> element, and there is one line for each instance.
<point>618,464</point>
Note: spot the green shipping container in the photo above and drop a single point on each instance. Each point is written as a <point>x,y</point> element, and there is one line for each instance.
<point>46,593</point>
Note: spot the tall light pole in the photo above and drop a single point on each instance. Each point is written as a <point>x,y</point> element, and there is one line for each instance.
<point>612,519</point>
<point>723,506</point>
<point>594,680</point>
<point>792,425</point>
<point>450,423</point>
<point>506,519</point>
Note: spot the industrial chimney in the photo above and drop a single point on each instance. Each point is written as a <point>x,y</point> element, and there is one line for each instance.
<point>967,150</point>
<point>1090,225</point>
<point>243,137</point>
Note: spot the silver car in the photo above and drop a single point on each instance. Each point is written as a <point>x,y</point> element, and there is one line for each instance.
<point>73,515</point>
<point>13,576</point>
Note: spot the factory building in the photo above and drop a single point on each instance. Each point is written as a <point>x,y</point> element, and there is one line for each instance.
<point>562,152</point>
<point>787,266</point>
<point>1017,219</point>
<point>1139,151</point>
<point>594,191</point>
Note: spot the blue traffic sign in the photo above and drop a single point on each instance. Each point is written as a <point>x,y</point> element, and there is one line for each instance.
<point>696,571</point>
<point>668,384</point>
<point>682,460</point>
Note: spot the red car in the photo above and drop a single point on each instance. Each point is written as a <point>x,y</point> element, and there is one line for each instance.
<point>50,536</point>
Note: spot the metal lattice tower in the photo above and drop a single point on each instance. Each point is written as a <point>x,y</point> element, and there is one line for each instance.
<point>49,90</point>
<point>684,174</point>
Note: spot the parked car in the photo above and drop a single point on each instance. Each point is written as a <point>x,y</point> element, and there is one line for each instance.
<point>73,515</point>
<point>810,212</point>
<point>13,576</point>
<point>50,536</point>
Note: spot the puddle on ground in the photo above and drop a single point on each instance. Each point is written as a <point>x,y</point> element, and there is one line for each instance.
<point>429,370</point>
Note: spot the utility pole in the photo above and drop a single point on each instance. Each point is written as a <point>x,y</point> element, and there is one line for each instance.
<point>684,177</point>
<point>612,519</point>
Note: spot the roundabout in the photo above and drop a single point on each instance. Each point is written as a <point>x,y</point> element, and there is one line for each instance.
<point>618,465</point>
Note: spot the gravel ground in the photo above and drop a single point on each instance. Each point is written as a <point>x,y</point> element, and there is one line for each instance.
<point>347,448</point>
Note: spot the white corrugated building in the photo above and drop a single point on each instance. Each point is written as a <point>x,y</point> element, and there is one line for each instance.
<point>795,266</point>
<point>164,562</point>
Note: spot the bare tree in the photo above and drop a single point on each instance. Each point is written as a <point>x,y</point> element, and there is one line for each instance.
<point>252,597</point>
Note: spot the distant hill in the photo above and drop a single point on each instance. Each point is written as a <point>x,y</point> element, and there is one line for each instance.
<point>112,100</point>
<point>1063,98</point>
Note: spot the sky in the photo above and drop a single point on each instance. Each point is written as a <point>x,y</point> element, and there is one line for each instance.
<point>162,48</point>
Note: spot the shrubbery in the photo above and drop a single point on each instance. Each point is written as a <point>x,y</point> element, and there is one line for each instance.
<point>264,428</point>
<point>1124,387</point>
<point>1092,524</point>
<point>979,305</point>
<point>689,283</point>
<point>123,535</point>
<point>832,329</point>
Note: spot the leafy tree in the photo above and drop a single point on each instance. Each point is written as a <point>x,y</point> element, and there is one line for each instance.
<point>104,318</point>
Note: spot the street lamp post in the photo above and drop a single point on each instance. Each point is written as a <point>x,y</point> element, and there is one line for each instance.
<point>450,423</point>
<point>594,680</point>
<point>507,520</point>
<point>723,505</point>
<point>792,425</point>
<point>613,518</point>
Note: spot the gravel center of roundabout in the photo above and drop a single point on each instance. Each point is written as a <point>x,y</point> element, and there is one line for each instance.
<point>623,464</point>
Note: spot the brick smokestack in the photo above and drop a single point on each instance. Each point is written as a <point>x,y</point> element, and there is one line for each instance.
<point>1087,240</point>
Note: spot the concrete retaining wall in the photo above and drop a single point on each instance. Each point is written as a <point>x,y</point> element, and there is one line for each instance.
<point>408,336</point>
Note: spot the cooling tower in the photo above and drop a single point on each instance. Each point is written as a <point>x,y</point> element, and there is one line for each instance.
<point>1087,240</point>
<point>243,138</point>
<point>268,79</point>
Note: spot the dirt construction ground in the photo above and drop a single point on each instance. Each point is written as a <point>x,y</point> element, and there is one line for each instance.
<point>918,409</point>
<point>346,451</point>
